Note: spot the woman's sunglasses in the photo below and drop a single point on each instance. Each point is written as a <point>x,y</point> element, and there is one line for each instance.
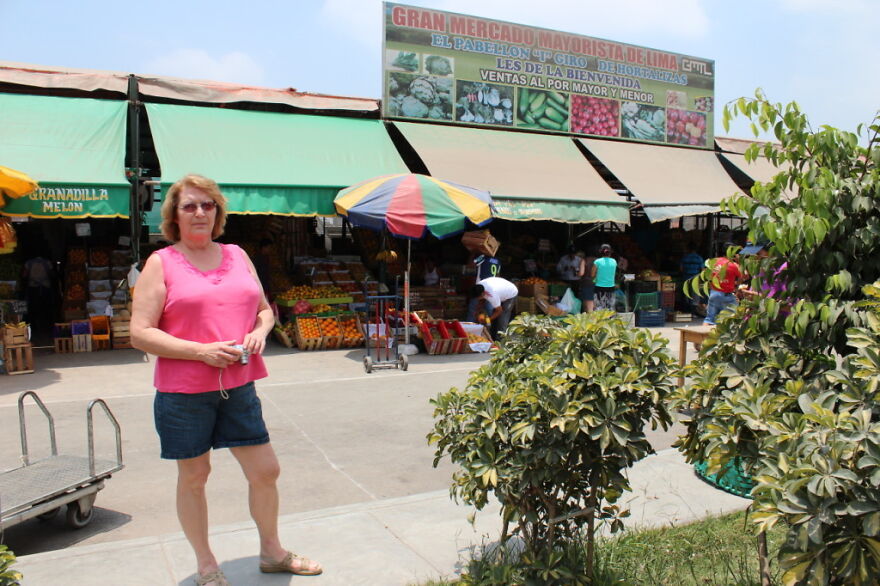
<point>207,206</point>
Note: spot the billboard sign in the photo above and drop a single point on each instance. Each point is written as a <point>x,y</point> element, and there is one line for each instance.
<point>447,67</point>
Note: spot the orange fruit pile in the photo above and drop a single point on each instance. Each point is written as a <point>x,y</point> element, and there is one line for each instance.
<point>308,327</point>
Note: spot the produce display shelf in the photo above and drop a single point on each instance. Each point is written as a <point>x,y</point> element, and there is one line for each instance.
<point>326,301</point>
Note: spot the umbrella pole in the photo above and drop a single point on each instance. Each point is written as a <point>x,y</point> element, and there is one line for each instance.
<point>406,293</point>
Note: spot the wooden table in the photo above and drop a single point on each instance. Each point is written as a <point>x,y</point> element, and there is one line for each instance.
<point>696,335</point>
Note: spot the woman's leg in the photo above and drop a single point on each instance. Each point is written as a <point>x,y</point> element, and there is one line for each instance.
<point>192,508</point>
<point>261,468</point>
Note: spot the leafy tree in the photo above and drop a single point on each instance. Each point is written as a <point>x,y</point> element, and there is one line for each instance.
<point>8,576</point>
<point>786,381</point>
<point>549,425</point>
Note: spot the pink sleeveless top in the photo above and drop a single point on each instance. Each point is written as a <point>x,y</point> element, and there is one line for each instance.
<point>205,307</point>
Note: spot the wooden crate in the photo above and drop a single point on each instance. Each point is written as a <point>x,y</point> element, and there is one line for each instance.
<point>82,343</point>
<point>19,358</point>
<point>307,343</point>
<point>351,341</point>
<point>282,337</point>
<point>331,332</point>
<point>63,345</point>
<point>526,305</point>
<point>120,330</point>
<point>14,335</point>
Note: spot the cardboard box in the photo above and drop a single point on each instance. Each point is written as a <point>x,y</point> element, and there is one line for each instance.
<point>537,290</point>
<point>480,241</point>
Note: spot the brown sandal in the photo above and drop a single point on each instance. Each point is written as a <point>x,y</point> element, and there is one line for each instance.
<point>216,577</point>
<point>287,566</point>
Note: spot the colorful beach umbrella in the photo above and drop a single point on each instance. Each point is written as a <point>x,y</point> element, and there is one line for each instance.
<point>409,205</point>
<point>15,184</point>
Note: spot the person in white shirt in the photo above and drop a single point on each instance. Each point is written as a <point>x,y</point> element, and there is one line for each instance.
<point>569,267</point>
<point>499,296</point>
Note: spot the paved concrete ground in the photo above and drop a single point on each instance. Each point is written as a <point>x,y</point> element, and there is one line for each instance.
<point>358,489</point>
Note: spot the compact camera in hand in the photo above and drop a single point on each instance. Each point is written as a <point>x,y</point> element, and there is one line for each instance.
<point>245,355</point>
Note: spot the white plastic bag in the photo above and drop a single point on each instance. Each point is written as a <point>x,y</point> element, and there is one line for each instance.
<point>569,302</point>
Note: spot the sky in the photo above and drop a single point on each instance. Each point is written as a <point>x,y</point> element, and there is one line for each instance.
<point>823,54</point>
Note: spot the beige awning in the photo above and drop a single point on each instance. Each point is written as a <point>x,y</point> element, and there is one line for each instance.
<point>530,176</point>
<point>759,170</point>
<point>668,181</point>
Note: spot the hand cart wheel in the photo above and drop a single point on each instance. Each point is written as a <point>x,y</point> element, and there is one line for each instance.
<point>402,362</point>
<point>76,518</point>
<point>368,364</point>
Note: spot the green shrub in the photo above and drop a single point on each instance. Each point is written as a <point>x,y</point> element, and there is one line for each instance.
<point>8,576</point>
<point>548,426</point>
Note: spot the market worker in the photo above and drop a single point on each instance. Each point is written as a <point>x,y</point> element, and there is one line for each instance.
<point>604,272</point>
<point>499,295</point>
<point>199,307</point>
<point>569,267</point>
<point>726,276</point>
<point>486,266</point>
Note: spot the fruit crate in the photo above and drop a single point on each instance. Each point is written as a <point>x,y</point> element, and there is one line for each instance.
<point>331,332</point>
<point>120,329</point>
<point>19,358</point>
<point>282,337</point>
<point>472,329</point>
<point>15,334</point>
<point>667,299</point>
<point>308,334</point>
<point>436,337</point>
<point>352,330</point>
<point>458,340</point>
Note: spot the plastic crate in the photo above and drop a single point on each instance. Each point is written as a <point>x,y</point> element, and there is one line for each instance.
<point>648,318</point>
<point>667,299</point>
<point>457,337</point>
<point>436,337</point>
<point>646,301</point>
<point>732,478</point>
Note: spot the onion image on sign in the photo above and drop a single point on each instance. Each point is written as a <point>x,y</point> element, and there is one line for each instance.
<point>484,103</point>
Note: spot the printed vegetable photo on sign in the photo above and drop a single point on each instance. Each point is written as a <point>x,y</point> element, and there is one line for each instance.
<point>419,96</point>
<point>483,103</point>
<point>538,109</point>
<point>642,121</point>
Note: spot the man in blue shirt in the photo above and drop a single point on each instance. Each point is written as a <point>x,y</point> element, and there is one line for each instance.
<point>692,264</point>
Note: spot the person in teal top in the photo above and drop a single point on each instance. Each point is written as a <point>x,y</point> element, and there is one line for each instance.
<point>604,271</point>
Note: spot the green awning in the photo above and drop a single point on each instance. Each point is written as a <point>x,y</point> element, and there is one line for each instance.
<point>560,211</point>
<point>530,176</point>
<point>269,162</point>
<point>75,149</point>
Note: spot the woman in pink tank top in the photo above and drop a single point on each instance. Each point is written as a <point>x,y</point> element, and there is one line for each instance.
<point>199,307</point>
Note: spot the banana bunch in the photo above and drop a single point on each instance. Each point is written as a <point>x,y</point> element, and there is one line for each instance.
<point>17,326</point>
<point>386,256</point>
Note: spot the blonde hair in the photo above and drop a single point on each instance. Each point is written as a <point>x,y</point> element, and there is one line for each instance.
<point>170,229</point>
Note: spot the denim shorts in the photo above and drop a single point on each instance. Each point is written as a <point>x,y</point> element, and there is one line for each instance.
<point>191,424</point>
